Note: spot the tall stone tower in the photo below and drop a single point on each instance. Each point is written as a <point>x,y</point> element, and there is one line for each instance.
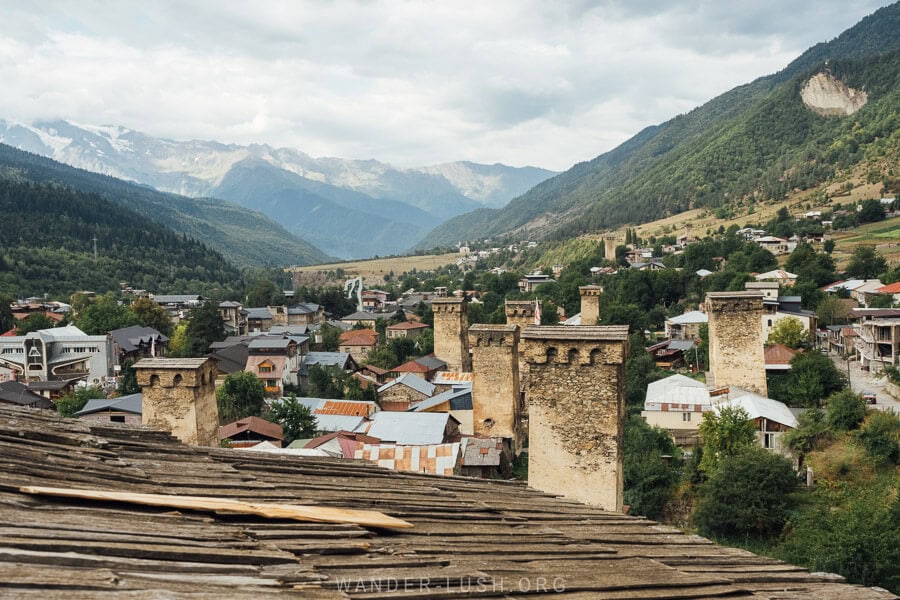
<point>736,352</point>
<point>609,247</point>
<point>495,382</point>
<point>450,325</point>
<point>576,405</point>
<point>519,312</point>
<point>590,303</point>
<point>179,395</point>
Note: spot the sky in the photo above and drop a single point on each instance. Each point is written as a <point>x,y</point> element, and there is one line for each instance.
<point>546,83</point>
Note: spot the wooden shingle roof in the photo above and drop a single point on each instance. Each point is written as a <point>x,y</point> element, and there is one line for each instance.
<point>471,537</point>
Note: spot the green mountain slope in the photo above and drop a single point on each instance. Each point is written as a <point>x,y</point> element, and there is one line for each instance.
<point>244,237</point>
<point>755,142</point>
<point>47,246</point>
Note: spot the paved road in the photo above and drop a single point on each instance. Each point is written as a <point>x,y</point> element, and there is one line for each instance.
<point>863,381</point>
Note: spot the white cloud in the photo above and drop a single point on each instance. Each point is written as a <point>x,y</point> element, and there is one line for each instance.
<point>520,82</point>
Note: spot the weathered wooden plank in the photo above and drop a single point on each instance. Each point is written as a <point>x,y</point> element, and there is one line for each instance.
<point>220,505</point>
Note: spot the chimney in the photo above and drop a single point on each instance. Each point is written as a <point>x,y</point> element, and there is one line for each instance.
<point>495,382</point>
<point>736,344</point>
<point>450,325</point>
<point>179,395</point>
<point>590,303</point>
<point>576,411</point>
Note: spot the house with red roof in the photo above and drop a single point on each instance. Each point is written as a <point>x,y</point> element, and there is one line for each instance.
<point>358,343</point>
<point>893,289</point>
<point>250,431</point>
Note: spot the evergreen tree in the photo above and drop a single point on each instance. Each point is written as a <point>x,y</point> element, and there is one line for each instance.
<point>204,327</point>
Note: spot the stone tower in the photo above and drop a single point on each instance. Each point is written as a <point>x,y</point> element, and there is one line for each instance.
<point>450,325</point>
<point>495,382</point>
<point>576,405</point>
<point>590,303</point>
<point>736,353</point>
<point>519,312</point>
<point>609,247</point>
<point>179,395</point>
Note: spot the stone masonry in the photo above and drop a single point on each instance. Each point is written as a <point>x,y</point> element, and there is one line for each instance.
<point>450,325</point>
<point>590,303</point>
<point>519,312</point>
<point>736,352</point>
<point>576,405</point>
<point>495,382</point>
<point>179,395</point>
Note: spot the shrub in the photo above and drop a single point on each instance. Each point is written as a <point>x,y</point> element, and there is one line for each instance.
<point>845,410</point>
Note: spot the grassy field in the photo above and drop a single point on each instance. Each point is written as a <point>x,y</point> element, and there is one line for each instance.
<point>374,270</point>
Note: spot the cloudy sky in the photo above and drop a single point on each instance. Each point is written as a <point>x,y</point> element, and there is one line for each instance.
<point>523,82</point>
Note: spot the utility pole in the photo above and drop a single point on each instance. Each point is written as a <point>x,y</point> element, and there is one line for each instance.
<point>95,248</point>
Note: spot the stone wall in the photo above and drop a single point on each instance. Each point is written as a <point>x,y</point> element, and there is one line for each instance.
<point>399,397</point>
<point>590,304</point>
<point>576,405</point>
<point>450,340</point>
<point>495,383</point>
<point>519,312</point>
<point>736,344</point>
<point>179,395</point>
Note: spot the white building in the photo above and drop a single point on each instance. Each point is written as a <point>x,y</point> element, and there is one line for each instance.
<point>62,353</point>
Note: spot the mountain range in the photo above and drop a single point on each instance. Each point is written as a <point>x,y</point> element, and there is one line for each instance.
<point>755,143</point>
<point>347,208</point>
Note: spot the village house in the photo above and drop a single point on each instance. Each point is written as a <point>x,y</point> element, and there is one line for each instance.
<point>367,319</point>
<point>250,431</point>
<point>274,360</point>
<point>892,289</point>
<point>673,354</point>
<point>339,360</point>
<point>235,317</point>
<point>406,329</point>
<point>178,305</point>
<point>650,265</point>
<point>772,419</point>
<point>773,244</point>
<point>677,404</point>
<point>136,342</point>
<point>533,281</point>
<point>778,358</point>
<point>425,366</point>
<point>401,393</point>
<point>861,290</point>
<point>374,300</point>
<point>124,409</point>
<point>878,344</point>
<point>779,276</point>
<point>18,394</point>
<point>358,343</point>
<point>457,402</point>
<point>686,326</point>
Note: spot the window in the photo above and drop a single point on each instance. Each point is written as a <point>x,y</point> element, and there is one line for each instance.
<point>265,368</point>
<point>117,418</point>
<point>769,441</point>
<point>770,322</point>
<point>686,416</point>
<point>271,383</point>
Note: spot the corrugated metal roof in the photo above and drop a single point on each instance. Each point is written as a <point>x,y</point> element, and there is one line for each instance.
<point>760,407</point>
<point>409,428</point>
<point>410,380</point>
<point>133,403</point>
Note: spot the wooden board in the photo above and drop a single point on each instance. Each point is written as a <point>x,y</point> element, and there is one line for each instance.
<point>319,514</point>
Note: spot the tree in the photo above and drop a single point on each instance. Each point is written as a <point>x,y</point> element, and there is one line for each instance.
<point>425,342</point>
<point>871,211</point>
<point>263,292</point>
<point>748,496</point>
<point>34,322</point>
<point>104,315</point>
<point>811,378</point>
<point>151,314</point>
<point>832,311</point>
<point>242,394</point>
<point>204,327</point>
<point>331,337</point>
<point>128,380</point>
<point>725,434</point>
<point>849,530</point>
<point>296,419</point>
<point>7,321</point>
<point>880,436</point>
<point>356,391</point>
<point>813,430</point>
<point>326,381</point>
<point>865,263</point>
<point>178,342</point>
<point>828,246</point>
<point>75,400</point>
<point>649,481</point>
<point>790,332</point>
<point>844,410</point>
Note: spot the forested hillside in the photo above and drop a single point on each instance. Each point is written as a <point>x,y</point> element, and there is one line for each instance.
<point>245,237</point>
<point>47,246</point>
<point>754,143</point>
